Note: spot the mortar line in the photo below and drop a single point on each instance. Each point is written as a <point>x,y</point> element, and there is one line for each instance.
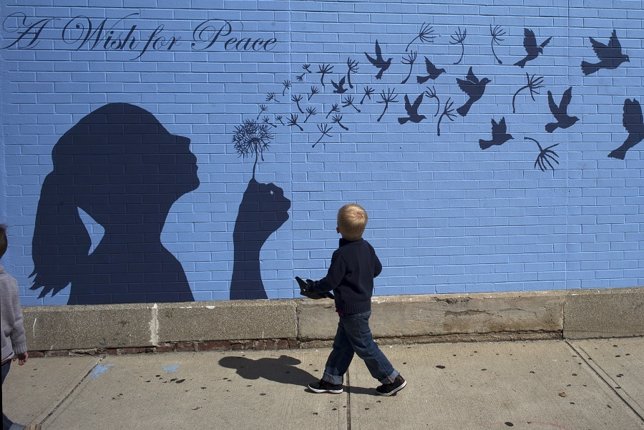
<point>348,401</point>
<point>604,379</point>
<point>68,395</point>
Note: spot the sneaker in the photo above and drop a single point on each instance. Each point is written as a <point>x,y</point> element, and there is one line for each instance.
<point>392,388</point>
<point>325,387</point>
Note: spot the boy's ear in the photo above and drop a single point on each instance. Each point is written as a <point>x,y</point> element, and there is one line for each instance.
<point>337,229</point>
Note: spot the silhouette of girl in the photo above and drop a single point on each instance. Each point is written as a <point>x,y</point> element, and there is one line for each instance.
<point>124,169</point>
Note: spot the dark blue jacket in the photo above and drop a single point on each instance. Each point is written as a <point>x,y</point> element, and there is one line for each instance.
<point>354,265</point>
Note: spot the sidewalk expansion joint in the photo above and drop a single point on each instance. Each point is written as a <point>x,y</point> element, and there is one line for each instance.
<point>605,378</point>
<point>69,394</point>
<point>348,401</point>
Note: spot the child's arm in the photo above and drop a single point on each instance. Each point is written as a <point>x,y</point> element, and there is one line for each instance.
<point>378,268</point>
<point>334,275</point>
<point>18,337</point>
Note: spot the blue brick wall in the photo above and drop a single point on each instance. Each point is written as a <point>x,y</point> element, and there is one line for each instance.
<point>445,215</point>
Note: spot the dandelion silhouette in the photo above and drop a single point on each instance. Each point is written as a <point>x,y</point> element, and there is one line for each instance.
<point>458,38</point>
<point>271,97</point>
<point>425,35</point>
<point>367,93</point>
<point>300,78</point>
<point>353,68</point>
<point>251,138</point>
<point>280,119</point>
<point>324,129</point>
<point>323,70</point>
<point>297,98</point>
<point>545,156</point>
<point>386,98</point>
<point>306,68</point>
<point>496,32</point>
<point>448,112</point>
<point>348,101</point>
<point>431,93</point>
<point>314,90</point>
<point>335,108</point>
<point>337,119</point>
<point>287,85</point>
<point>534,83</point>
<point>409,59</point>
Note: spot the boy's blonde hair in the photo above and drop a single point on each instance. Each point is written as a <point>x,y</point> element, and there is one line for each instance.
<point>352,220</point>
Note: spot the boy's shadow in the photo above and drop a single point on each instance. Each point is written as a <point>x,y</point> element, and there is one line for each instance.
<point>282,370</point>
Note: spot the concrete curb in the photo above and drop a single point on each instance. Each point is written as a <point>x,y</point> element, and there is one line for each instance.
<point>270,324</point>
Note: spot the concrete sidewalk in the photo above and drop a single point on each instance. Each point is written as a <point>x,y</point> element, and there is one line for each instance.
<point>589,384</point>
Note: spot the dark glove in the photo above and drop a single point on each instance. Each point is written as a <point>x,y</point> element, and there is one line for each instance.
<point>307,289</point>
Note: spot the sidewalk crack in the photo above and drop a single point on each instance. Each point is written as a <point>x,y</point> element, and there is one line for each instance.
<point>604,377</point>
<point>42,421</point>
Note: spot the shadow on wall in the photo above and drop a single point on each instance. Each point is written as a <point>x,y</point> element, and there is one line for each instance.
<point>263,210</point>
<point>125,170</point>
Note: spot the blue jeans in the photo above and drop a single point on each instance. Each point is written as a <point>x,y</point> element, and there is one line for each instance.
<point>354,336</point>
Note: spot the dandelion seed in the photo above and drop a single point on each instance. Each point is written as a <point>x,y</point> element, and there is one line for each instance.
<point>337,119</point>
<point>496,34</point>
<point>386,98</point>
<point>368,91</point>
<point>409,59</point>
<point>546,155</point>
<point>348,101</point>
<point>431,93</point>
<point>325,130</point>
<point>448,112</point>
<point>323,70</point>
<point>335,108</point>
<point>292,122</point>
<point>426,35</point>
<point>353,68</point>
<point>297,98</point>
<point>458,38</point>
<point>534,83</point>
<point>310,111</point>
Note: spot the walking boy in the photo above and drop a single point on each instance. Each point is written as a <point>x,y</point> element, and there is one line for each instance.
<point>14,341</point>
<point>353,267</point>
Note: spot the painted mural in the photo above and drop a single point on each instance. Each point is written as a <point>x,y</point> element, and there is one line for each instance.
<point>124,168</point>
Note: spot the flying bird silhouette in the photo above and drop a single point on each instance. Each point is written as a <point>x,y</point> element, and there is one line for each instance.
<point>379,62</point>
<point>560,112</point>
<point>432,71</point>
<point>339,87</point>
<point>530,45</point>
<point>632,120</point>
<point>412,110</point>
<point>474,88</point>
<point>499,135</point>
<point>610,56</point>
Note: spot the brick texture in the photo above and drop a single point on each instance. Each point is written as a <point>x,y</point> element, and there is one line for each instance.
<point>446,216</point>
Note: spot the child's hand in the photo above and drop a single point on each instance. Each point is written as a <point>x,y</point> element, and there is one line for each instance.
<point>22,358</point>
<point>307,290</point>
